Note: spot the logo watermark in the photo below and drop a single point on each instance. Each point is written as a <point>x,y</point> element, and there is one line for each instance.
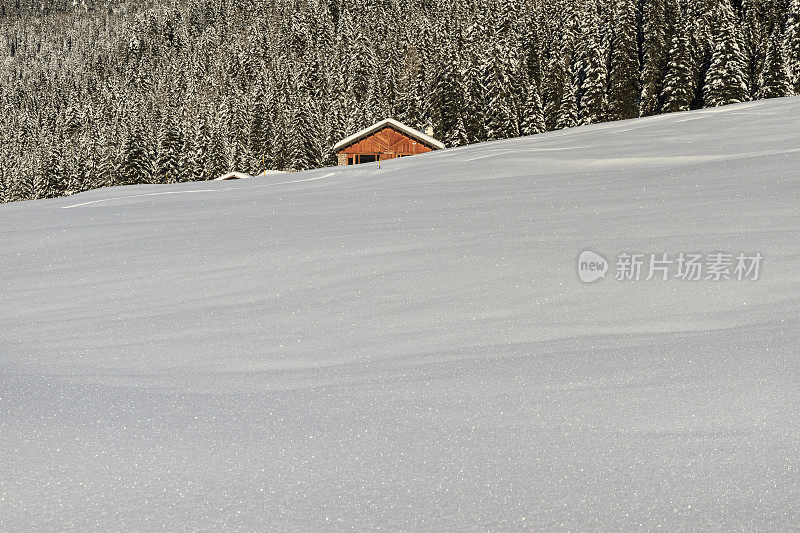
<point>683,266</point>
<point>591,266</point>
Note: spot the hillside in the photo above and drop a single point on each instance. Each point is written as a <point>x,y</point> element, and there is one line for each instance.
<point>125,92</point>
<point>410,347</point>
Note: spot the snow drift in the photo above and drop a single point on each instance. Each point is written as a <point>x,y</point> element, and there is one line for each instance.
<point>410,347</point>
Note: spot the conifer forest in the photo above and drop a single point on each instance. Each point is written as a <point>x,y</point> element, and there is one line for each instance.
<point>110,92</point>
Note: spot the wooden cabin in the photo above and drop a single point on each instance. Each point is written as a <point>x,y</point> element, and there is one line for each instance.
<point>388,139</point>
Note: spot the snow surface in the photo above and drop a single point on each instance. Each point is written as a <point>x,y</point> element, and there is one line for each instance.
<point>410,348</point>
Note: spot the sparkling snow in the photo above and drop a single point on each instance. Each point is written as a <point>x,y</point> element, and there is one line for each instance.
<point>410,347</point>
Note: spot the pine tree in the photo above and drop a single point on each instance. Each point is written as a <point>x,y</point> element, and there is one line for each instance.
<point>170,145</point>
<point>567,116</point>
<point>774,82</point>
<point>623,78</point>
<point>135,163</point>
<point>392,72</point>
<point>532,57</point>
<point>52,173</point>
<point>77,175</point>
<point>459,136</point>
<point>108,164</point>
<point>475,104</point>
<point>501,111</point>
<point>39,176</point>
<point>447,98</point>
<point>260,130</point>
<point>725,77</point>
<point>677,94</point>
<point>754,40</point>
<point>304,149</point>
<point>412,106</point>
<point>5,186</point>
<point>217,158</point>
<point>5,177</point>
<point>533,114</point>
<point>553,87</point>
<point>791,45</point>
<point>592,67</point>
<point>88,154</point>
<point>653,54</point>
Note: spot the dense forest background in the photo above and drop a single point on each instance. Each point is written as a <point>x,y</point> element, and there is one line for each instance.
<point>105,92</point>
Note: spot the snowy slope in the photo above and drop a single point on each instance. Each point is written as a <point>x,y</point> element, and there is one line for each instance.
<point>410,347</point>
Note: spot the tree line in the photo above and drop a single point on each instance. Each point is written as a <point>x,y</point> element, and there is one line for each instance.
<point>99,92</point>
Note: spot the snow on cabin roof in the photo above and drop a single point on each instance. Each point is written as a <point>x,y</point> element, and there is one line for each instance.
<point>408,130</point>
<point>233,176</point>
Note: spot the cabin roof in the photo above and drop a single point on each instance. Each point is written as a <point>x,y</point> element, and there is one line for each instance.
<point>396,124</point>
<point>233,176</point>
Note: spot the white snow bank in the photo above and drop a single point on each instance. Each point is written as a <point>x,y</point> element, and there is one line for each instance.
<point>233,176</point>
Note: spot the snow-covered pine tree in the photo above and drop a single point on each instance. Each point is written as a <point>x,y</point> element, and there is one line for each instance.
<point>26,187</point>
<point>41,179</point>
<point>653,53</point>
<point>169,147</point>
<point>447,98</point>
<point>377,102</point>
<point>5,176</point>
<point>533,114</point>
<point>79,170</point>
<point>217,158</point>
<point>88,153</point>
<point>259,142</point>
<point>591,70</point>
<point>677,94</point>
<point>725,79</point>
<point>532,44</point>
<point>200,144</point>
<point>508,18</point>
<point>151,141</point>
<point>773,80</point>
<point>459,136</point>
<point>791,45</point>
<point>501,114</point>
<point>135,164</point>
<point>186,150</point>
<point>304,148</point>
<point>5,184</point>
<point>475,103</point>
<point>391,72</point>
<point>108,163</point>
<point>52,170</point>
<point>552,88</point>
<point>513,64</point>
<point>567,116</point>
<point>412,82</point>
<point>753,43</point>
<point>362,59</point>
<point>623,76</point>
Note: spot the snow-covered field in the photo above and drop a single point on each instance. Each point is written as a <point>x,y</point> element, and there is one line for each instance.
<point>410,348</point>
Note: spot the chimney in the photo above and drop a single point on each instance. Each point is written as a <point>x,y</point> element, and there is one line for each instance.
<point>429,131</point>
